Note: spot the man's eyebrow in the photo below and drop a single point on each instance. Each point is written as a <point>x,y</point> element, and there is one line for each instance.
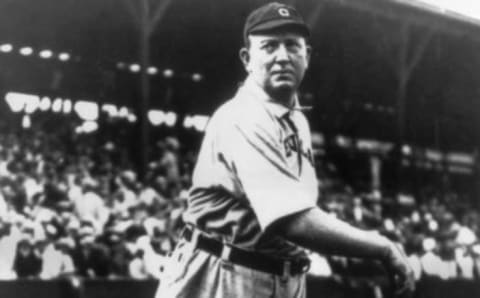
<point>267,39</point>
<point>293,40</point>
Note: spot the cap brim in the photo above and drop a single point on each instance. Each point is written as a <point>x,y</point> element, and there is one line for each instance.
<point>280,24</point>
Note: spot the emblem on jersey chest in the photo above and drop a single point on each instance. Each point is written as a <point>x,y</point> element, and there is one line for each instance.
<point>293,144</point>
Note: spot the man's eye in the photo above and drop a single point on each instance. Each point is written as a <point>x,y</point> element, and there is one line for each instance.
<point>269,47</point>
<point>293,45</point>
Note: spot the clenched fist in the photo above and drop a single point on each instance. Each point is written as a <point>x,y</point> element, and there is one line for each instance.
<point>399,270</point>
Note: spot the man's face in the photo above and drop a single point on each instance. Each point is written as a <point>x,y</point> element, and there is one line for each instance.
<point>24,250</point>
<point>277,60</point>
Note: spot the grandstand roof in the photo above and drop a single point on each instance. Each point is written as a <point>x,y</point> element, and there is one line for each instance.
<point>351,81</point>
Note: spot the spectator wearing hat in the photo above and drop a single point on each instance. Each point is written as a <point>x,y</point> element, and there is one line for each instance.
<point>464,262</point>
<point>125,196</point>
<point>153,194</point>
<point>57,260</point>
<point>119,255</point>
<point>32,186</point>
<point>432,264</point>
<point>91,258</point>
<point>168,162</point>
<point>90,206</point>
<point>10,235</point>
<point>137,267</point>
<point>414,249</point>
<point>465,238</point>
<point>27,264</point>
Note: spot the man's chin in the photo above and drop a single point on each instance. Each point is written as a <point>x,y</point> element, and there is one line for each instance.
<point>282,91</point>
<point>283,86</point>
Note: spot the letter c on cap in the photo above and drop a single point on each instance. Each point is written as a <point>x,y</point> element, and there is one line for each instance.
<point>283,12</point>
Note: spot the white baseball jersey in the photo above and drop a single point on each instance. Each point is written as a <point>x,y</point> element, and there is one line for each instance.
<point>255,166</point>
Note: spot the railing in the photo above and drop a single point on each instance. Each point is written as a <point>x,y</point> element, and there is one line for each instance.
<point>128,288</point>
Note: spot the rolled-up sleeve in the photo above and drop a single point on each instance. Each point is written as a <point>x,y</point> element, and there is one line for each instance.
<point>274,191</point>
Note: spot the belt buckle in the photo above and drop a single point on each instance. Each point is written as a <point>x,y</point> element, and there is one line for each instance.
<point>226,251</point>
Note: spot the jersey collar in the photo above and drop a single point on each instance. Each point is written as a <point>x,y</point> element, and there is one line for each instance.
<point>256,93</point>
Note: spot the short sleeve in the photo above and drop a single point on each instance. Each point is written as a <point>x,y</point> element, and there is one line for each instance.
<point>274,191</point>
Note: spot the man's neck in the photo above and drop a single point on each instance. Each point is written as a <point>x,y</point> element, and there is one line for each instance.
<point>283,97</point>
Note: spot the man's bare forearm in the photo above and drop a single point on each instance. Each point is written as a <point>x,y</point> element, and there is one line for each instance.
<point>316,230</point>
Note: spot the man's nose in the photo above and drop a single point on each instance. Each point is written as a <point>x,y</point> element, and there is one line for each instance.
<point>282,53</point>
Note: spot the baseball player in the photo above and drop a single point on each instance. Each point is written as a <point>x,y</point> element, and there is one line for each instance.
<point>252,207</point>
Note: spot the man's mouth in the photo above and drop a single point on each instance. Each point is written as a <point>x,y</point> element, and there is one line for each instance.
<point>283,75</point>
<point>283,72</point>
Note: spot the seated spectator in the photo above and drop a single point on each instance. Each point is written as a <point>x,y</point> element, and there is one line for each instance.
<point>432,264</point>
<point>137,268</point>
<point>91,258</point>
<point>465,263</point>
<point>447,254</point>
<point>9,237</point>
<point>57,261</point>
<point>465,236</point>
<point>475,250</point>
<point>416,264</point>
<point>413,249</point>
<point>75,191</point>
<point>119,255</point>
<point>125,196</point>
<point>138,212</point>
<point>27,264</point>
<point>156,251</point>
<point>153,193</point>
<point>38,212</point>
<point>91,207</point>
<point>32,186</point>
<point>168,160</point>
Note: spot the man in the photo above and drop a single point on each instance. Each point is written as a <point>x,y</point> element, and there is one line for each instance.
<point>252,206</point>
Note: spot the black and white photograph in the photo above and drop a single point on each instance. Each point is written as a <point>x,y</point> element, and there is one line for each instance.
<point>239,149</point>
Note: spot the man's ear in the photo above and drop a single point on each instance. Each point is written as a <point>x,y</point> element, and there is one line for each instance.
<point>245,58</point>
<point>309,54</point>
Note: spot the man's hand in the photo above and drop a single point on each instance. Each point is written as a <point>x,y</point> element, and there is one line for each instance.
<point>318,231</point>
<point>399,270</point>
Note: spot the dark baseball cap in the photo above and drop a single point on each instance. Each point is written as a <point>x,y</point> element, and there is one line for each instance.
<point>274,15</point>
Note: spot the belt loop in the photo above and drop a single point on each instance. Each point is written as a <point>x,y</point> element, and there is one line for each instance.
<point>226,250</point>
<point>195,237</point>
<point>185,230</point>
<point>287,268</point>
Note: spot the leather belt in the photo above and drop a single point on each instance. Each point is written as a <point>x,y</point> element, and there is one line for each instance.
<point>252,260</point>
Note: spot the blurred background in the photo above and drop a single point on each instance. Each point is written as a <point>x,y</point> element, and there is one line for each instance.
<point>103,104</point>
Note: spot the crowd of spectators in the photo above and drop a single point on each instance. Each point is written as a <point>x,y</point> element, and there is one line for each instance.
<point>439,236</point>
<point>79,209</point>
